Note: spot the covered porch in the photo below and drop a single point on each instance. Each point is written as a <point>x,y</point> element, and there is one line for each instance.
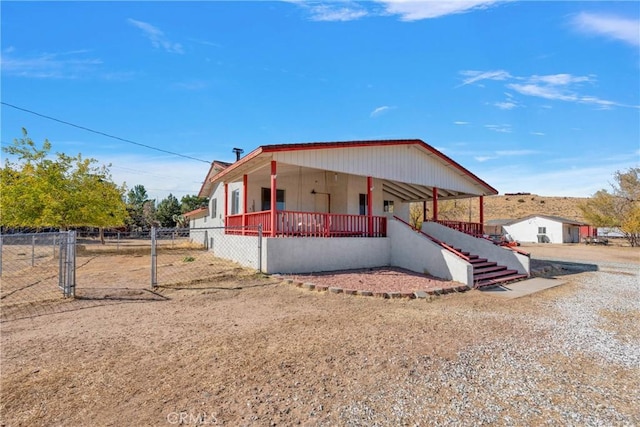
<point>327,203</point>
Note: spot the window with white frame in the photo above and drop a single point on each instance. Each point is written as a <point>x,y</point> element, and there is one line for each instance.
<point>542,230</point>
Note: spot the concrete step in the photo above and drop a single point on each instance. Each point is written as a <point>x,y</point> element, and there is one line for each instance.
<point>500,280</point>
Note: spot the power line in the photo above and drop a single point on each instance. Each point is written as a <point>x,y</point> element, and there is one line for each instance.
<point>102,133</point>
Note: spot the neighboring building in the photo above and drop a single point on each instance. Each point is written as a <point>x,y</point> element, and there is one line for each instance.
<point>343,205</point>
<point>544,229</point>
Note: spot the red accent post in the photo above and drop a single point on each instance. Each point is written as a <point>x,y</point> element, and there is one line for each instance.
<point>226,203</point>
<point>435,203</point>
<point>244,204</point>
<point>370,205</point>
<point>274,213</point>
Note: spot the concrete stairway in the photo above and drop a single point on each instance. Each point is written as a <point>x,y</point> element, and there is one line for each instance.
<point>489,273</point>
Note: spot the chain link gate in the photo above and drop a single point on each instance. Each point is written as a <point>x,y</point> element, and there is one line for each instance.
<point>36,268</point>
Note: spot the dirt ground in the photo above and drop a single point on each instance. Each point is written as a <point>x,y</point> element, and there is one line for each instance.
<point>245,349</point>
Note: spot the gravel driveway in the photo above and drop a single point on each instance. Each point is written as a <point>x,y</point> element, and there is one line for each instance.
<point>255,352</point>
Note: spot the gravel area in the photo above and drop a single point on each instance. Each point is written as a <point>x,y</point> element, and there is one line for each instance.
<point>247,351</point>
<point>377,280</point>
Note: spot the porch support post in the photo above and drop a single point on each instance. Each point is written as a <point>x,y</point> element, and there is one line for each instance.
<point>370,205</point>
<point>435,203</point>
<point>424,211</point>
<point>226,203</point>
<point>481,214</point>
<point>244,204</point>
<point>274,214</point>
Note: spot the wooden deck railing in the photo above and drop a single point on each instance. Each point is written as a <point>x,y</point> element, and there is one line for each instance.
<point>475,229</point>
<point>309,224</point>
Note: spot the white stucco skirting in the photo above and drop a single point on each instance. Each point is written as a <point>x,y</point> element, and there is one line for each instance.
<point>314,254</point>
<point>482,247</point>
<point>402,248</point>
<point>415,252</point>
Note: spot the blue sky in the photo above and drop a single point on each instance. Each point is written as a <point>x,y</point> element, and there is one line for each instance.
<point>540,97</point>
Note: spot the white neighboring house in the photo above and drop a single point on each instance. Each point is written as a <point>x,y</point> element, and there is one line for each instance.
<point>340,205</point>
<point>544,229</point>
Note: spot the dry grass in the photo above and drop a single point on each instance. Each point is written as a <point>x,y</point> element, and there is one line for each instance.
<point>514,207</point>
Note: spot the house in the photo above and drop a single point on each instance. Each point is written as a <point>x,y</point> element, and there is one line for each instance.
<point>544,229</point>
<point>326,206</point>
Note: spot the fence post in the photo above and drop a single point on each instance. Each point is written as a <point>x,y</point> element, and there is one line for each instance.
<point>206,239</point>
<point>118,242</point>
<point>259,248</point>
<point>33,250</point>
<point>70,287</point>
<point>61,262</point>
<point>154,260</point>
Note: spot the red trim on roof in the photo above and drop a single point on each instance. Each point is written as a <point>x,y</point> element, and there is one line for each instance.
<point>350,144</point>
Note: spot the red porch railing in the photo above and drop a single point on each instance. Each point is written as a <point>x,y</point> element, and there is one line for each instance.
<point>309,224</point>
<point>475,229</point>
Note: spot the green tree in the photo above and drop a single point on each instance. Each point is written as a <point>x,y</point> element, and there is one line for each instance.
<point>618,208</point>
<point>141,209</point>
<point>64,191</point>
<point>168,210</point>
<point>190,203</point>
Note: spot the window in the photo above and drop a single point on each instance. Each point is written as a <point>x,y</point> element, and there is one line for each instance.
<point>214,208</point>
<point>266,199</point>
<point>363,204</point>
<point>388,206</point>
<point>235,202</point>
<point>542,230</point>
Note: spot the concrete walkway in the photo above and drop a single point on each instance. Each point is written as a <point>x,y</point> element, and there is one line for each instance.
<point>522,288</point>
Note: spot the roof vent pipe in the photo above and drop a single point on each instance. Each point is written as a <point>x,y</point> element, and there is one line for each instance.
<point>238,152</point>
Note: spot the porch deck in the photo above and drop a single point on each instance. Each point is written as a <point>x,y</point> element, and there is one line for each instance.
<point>308,224</point>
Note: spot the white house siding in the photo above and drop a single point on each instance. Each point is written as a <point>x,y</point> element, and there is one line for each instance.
<point>405,163</point>
<point>526,231</point>
<point>345,193</point>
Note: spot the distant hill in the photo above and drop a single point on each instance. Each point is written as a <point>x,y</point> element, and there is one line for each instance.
<point>519,206</point>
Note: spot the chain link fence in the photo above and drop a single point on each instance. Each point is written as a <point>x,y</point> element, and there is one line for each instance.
<point>39,270</point>
<point>35,268</point>
<point>196,255</point>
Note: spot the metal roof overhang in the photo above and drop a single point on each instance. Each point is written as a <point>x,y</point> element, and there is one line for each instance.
<point>258,162</point>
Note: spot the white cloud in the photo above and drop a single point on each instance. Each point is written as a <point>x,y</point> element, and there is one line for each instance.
<point>460,123</point>
<point>507,105</point>
<point>538,133</point>
<point>476,76</point>
<point>557,87</point>
<point>333,12</point>
<point>62,65</point>
<point>412,10</point>
<point>484,158</point>
<point>615,27</point>
<point>157,37</point>
<point>499,128</point>
<point>380,110</point>
<point>561,79</point>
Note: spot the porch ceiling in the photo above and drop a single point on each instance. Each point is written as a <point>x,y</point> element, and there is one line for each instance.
<point>406,192</point>
<point>418,193</point>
